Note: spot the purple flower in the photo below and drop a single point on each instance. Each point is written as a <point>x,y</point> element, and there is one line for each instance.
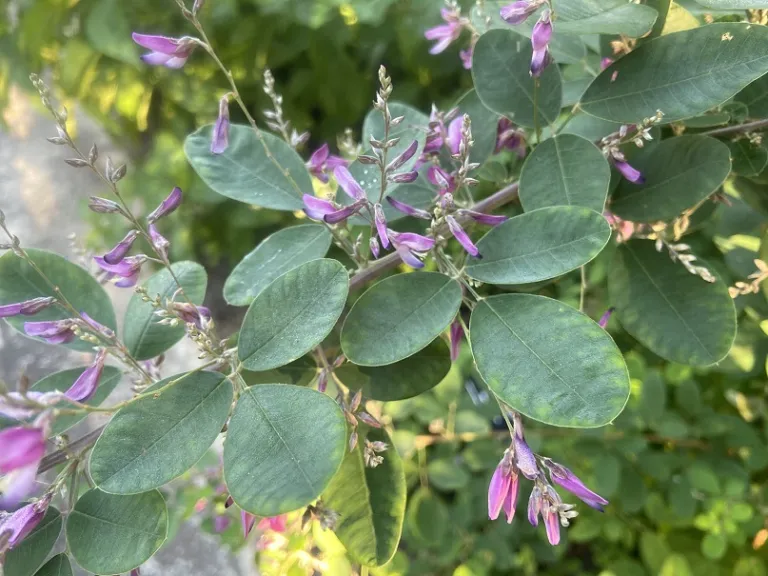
<point>456,334</point>
<point>86,384</point>
<point>117,253</point>
<point>52,331</point>
<point>551,522</point>
<point>534,505</point>
<point>191,314</point>
<point>406,155</point>
<point>466,58</point>
<point>603,322</point>
<point>323,161</point>
<point>510,502</point>
<point>275,523</point>
<point>408,210</point>
<point>444,34</point>
<point>21,449</point>
<point>525,459</point>
<point>409,244</point>
<point>605,62</point>
<point>97,327</point>
<point>168,52</point>
<point>542,33</point>
<point>503,489</point>
<point>166,206</point>
<point>517,12</point>
<point>563,477</point>
<point>440,178</point>
<point>630,173</point>
<point>508,136</point>
<point>381,224</point>
<point>487,219</point>
<point>453,140</point>
<point>344,213</point>
<point>128,269</point>
<point>463,238</point>
<point>159,242</point>
<point>220,138</point>
<point>220,523</point>
<point>17,526</point>
<point>348,183</point>
<point>317,208</point>
<point>103,206</point>
<point>248,520</point>
<point>404,177</point>
<point>26,308</point>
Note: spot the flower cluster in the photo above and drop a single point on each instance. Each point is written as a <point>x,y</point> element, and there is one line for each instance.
<point>638,135</point>
<point>446,34</point>
<point>544,502</point>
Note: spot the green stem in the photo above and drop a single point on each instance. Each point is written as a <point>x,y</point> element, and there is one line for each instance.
<point>536,126</point>
<point>583,291</point>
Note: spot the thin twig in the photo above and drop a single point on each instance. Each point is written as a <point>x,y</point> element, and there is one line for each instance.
<point>738,128</point>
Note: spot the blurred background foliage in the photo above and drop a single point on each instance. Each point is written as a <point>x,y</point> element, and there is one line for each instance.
<point>685,465</point>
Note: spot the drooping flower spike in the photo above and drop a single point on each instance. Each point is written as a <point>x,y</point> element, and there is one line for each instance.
<point>444,34</point>
<point>167,206</point>
<point>164,51</point>
<point>127,269</point>
<point>26,308</point>
<point>52,331</point>
<point>220,137</point>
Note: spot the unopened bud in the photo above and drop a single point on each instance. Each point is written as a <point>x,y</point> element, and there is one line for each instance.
<point>93,154</point>
<point>103,206</point>
<point>364,159</point>
<point>77,162</point>
<point>118,173</point>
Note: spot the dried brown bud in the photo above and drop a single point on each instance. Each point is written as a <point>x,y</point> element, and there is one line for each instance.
<point>356,400</point>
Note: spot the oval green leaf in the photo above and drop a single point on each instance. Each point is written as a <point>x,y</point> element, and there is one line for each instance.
<point>679,173</point>
<point>748,159</point>
<point>675,314</point>
<point>59,565</point>
<point>500,70</point>
<point>755,97</point>
<point>112,534</point>
<point>27,557</point>
<point>276,255</point>
<point>142,334</point>
<point>548,361</point>
<point>283,447</point>
<point>293,314</point>
<point>540,245</point>
<point>399,316</point>
<point>61,381</point>
<point>683,74</point>
<point>153,440</point>
<point>565,171</point>
<point>405,379</point>
<point>369,524</point>
<point>19,282</point>
<point>603,17</point>
<point>245,171</point>
<point>484,123</point>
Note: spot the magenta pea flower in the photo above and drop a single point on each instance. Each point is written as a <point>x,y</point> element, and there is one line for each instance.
<point>17,526</point>
<point>159,242</point>
<point>381,224</point>
<point>551,519</point>
<point>630,173</point>
<point>444,34</point>
<point>348,183</point>
<point>603,322</point>
<point>167,206</point>
<point>122,248</point>
<point>440,178</point>
<point>466,58</point>
<point>248,520</point>
<point>453,139</point>
<point>324,210</point>
<point>322,161</point>
<point>103,206</point>
<point>220,523</point>
<point>373,244</point>
<point>164,51</point>
<point>97,326</point>
<point>605,62</point>
<point>525,458</point>
<point>503,489</point>
<point>26,308</point>
<point>463,238</point>
<point>408,210</point>
<point>487,219</point>
<point>52,331</point>
<point>128,269</point>
<point>518,12</point>
<point>540,37</point>
<point>509,137</point>
<point>410,245</point>
<point>87,383</point>
<point>275,523</point>
<point>220,137</point>
<point>191,314</point>
<point>21,450</point>
<point>456,335</point>
<point>563,477</point>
